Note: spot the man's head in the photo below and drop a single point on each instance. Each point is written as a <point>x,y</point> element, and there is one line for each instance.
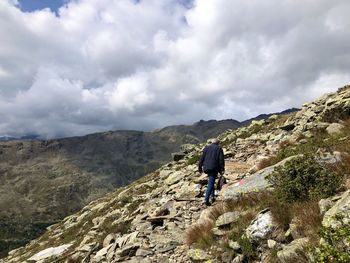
<point>215,141</point>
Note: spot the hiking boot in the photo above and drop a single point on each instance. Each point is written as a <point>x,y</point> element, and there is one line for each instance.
<point>207,204</point>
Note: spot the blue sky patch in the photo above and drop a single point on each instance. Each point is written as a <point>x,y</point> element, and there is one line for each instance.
<point>32,5</point>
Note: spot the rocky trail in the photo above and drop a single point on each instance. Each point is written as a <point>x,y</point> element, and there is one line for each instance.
<point>152,219</point>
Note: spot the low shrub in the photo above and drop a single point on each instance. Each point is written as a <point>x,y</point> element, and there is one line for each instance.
<point>132,207</point>
<point>302,179</point>
<point>337,114</point>
<point>247,248</point>
<point>200,235</point>
<point>194,159</point>
<point>124,200</point>
<point>335,249</point>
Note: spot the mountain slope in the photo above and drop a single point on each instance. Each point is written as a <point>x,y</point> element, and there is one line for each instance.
<point>43,181</point>
<point>160,217</point>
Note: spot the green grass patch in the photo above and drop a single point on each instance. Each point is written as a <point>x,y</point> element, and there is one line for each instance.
<point>194,159</point>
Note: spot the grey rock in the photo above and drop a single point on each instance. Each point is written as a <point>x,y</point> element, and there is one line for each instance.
<point>102,253</point>
<point>142,252</point>
<point>218,232</point>
<point>109,239</point>
<point>127,239</point>
<point>168,247</point>
<point>188,190</point>
<point>294,252</point>
<point>129,250</point>
<point>202,179</point>
<point>238,259</point>
<point>341,209</point>
<point>164,173</point>
<point>227,256</point>
<point>228,153</point>
<point>197,254</point>
<point>227,219</point>
<point>334,128</point>
<point>287,126</point>
<point>271,244</point>
<point>48,253</point>
<point>261,227</point>
<point>329,158</point>
<point>234,245</point>
<point>178,156</point>
<point>254,182</point>
<point>174,178</point>
<point>187,148</point>
<point>293,229</point>
<point>325,205</point>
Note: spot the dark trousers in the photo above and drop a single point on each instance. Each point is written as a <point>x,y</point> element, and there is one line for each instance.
<point>211,188</point>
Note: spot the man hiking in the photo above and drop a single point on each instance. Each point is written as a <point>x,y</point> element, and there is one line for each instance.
<point>211,162</point>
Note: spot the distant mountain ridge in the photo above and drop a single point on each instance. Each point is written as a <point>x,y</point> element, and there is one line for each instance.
<point>12,138</point>
<point>201,129</point>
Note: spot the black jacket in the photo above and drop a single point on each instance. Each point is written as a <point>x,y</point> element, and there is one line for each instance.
<point>212,159</point>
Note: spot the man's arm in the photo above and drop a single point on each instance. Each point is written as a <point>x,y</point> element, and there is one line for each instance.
<point>221,161</point>
<point>201,160</point>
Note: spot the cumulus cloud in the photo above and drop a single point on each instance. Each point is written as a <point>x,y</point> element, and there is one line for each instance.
<point>97,65</point>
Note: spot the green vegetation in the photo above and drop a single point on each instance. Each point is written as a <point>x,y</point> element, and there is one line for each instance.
<point>247,248</point>
<point>337,114</point>
<point>134,205</point>
<point>335,248</point>
<point>124,200</point>
<point>302,179</point>
<point>194,159</point>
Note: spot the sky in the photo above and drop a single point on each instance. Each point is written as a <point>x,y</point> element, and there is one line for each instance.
<point>33,5</point>
<point>74,67</point>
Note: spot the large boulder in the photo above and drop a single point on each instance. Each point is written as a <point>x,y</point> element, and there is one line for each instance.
<point>178,156</point>
<point>254,182</point>
<point>261,227</point>
<point>227,218</point>
<point>334,128</point>
<point>51,252</point>
<point>328,203</point>
<point>294,252</point>
<point>339,212</point>
<point>174,178</point>
<point>188,190</point>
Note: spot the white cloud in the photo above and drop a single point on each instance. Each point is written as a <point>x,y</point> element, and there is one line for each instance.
<point>129,94</point>
<point>123,64</point>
